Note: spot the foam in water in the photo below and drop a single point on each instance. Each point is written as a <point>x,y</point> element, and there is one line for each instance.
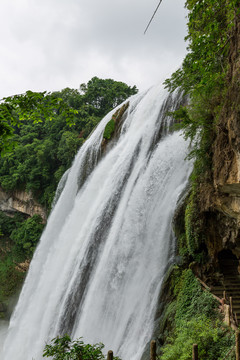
<point>98,269</point>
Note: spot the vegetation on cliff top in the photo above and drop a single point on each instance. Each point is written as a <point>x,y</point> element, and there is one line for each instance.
<point>203,75</point>
<point>196,320</point>
<point>44,143</point>
<point>63,348</point>
<point>40,133</point>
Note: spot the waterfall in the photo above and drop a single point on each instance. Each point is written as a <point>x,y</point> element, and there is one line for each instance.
<point>98,269</point>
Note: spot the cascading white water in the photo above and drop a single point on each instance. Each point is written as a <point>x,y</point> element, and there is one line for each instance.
<point>98,269</point>
<point>3,332</point>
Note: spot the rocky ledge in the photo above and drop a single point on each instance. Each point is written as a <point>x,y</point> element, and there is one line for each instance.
<point>21,201</point>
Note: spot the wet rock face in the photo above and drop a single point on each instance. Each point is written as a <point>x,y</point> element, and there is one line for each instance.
<point>226,149</point>
<point>223,215</point>
<point>20,201</point>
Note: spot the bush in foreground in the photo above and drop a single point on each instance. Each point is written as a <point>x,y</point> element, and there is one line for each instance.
<point>63,348</point>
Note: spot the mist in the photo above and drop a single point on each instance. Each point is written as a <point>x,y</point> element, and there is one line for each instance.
<point>3,332</point>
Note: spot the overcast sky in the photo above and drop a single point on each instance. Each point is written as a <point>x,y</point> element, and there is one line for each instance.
<point>53,44</point>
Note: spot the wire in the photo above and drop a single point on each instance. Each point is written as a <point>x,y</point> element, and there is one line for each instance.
<point>152,17</point>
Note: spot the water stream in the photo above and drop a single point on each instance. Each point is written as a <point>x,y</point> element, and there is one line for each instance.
<point>98,269</point>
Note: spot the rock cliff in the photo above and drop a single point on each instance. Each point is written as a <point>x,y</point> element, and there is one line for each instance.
<point>219,196</point>
<point>11,202</point>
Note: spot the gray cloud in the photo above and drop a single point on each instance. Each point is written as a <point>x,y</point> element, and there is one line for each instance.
<point>52,44</point>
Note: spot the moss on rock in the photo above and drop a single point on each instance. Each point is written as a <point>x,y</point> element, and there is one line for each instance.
<point>109,129</point>
<point>115,121</point>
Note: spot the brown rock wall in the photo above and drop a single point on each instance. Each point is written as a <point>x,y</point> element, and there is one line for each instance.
<point>219,198</point>
<point>21,201</point>
<point>226,150</point>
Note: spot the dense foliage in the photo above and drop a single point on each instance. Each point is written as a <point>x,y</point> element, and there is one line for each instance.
<point>63,348</point>
<point>96,98</point>
<point>18,238</point>
<point>45,145</point>
<point>23,232</point>
<point>196,320</point>
<point>27,234</point>
<point>204,67</point>
<point>16,109</point>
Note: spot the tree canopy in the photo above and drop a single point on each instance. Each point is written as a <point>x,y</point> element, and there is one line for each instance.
<point>45,131</point>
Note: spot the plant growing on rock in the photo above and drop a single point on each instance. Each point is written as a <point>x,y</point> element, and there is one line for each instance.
<point>114,122</point>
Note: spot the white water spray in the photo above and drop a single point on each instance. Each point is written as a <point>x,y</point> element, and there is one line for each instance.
<point>98,269</point>
<point>3,333</point>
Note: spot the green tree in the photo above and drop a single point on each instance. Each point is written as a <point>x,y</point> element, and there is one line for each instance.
<point>209,25</point>
<point>68,146</point>
<point>104,95</point>
<point>14,110</point>
<point>26,236</point>
<point>196,320</point>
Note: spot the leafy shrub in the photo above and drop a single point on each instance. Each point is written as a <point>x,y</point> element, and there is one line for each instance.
<point>210,337</point>
<point>192,300</point>
<point>63,348</point>
<point>27,235</point>
<point>197,320</point>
